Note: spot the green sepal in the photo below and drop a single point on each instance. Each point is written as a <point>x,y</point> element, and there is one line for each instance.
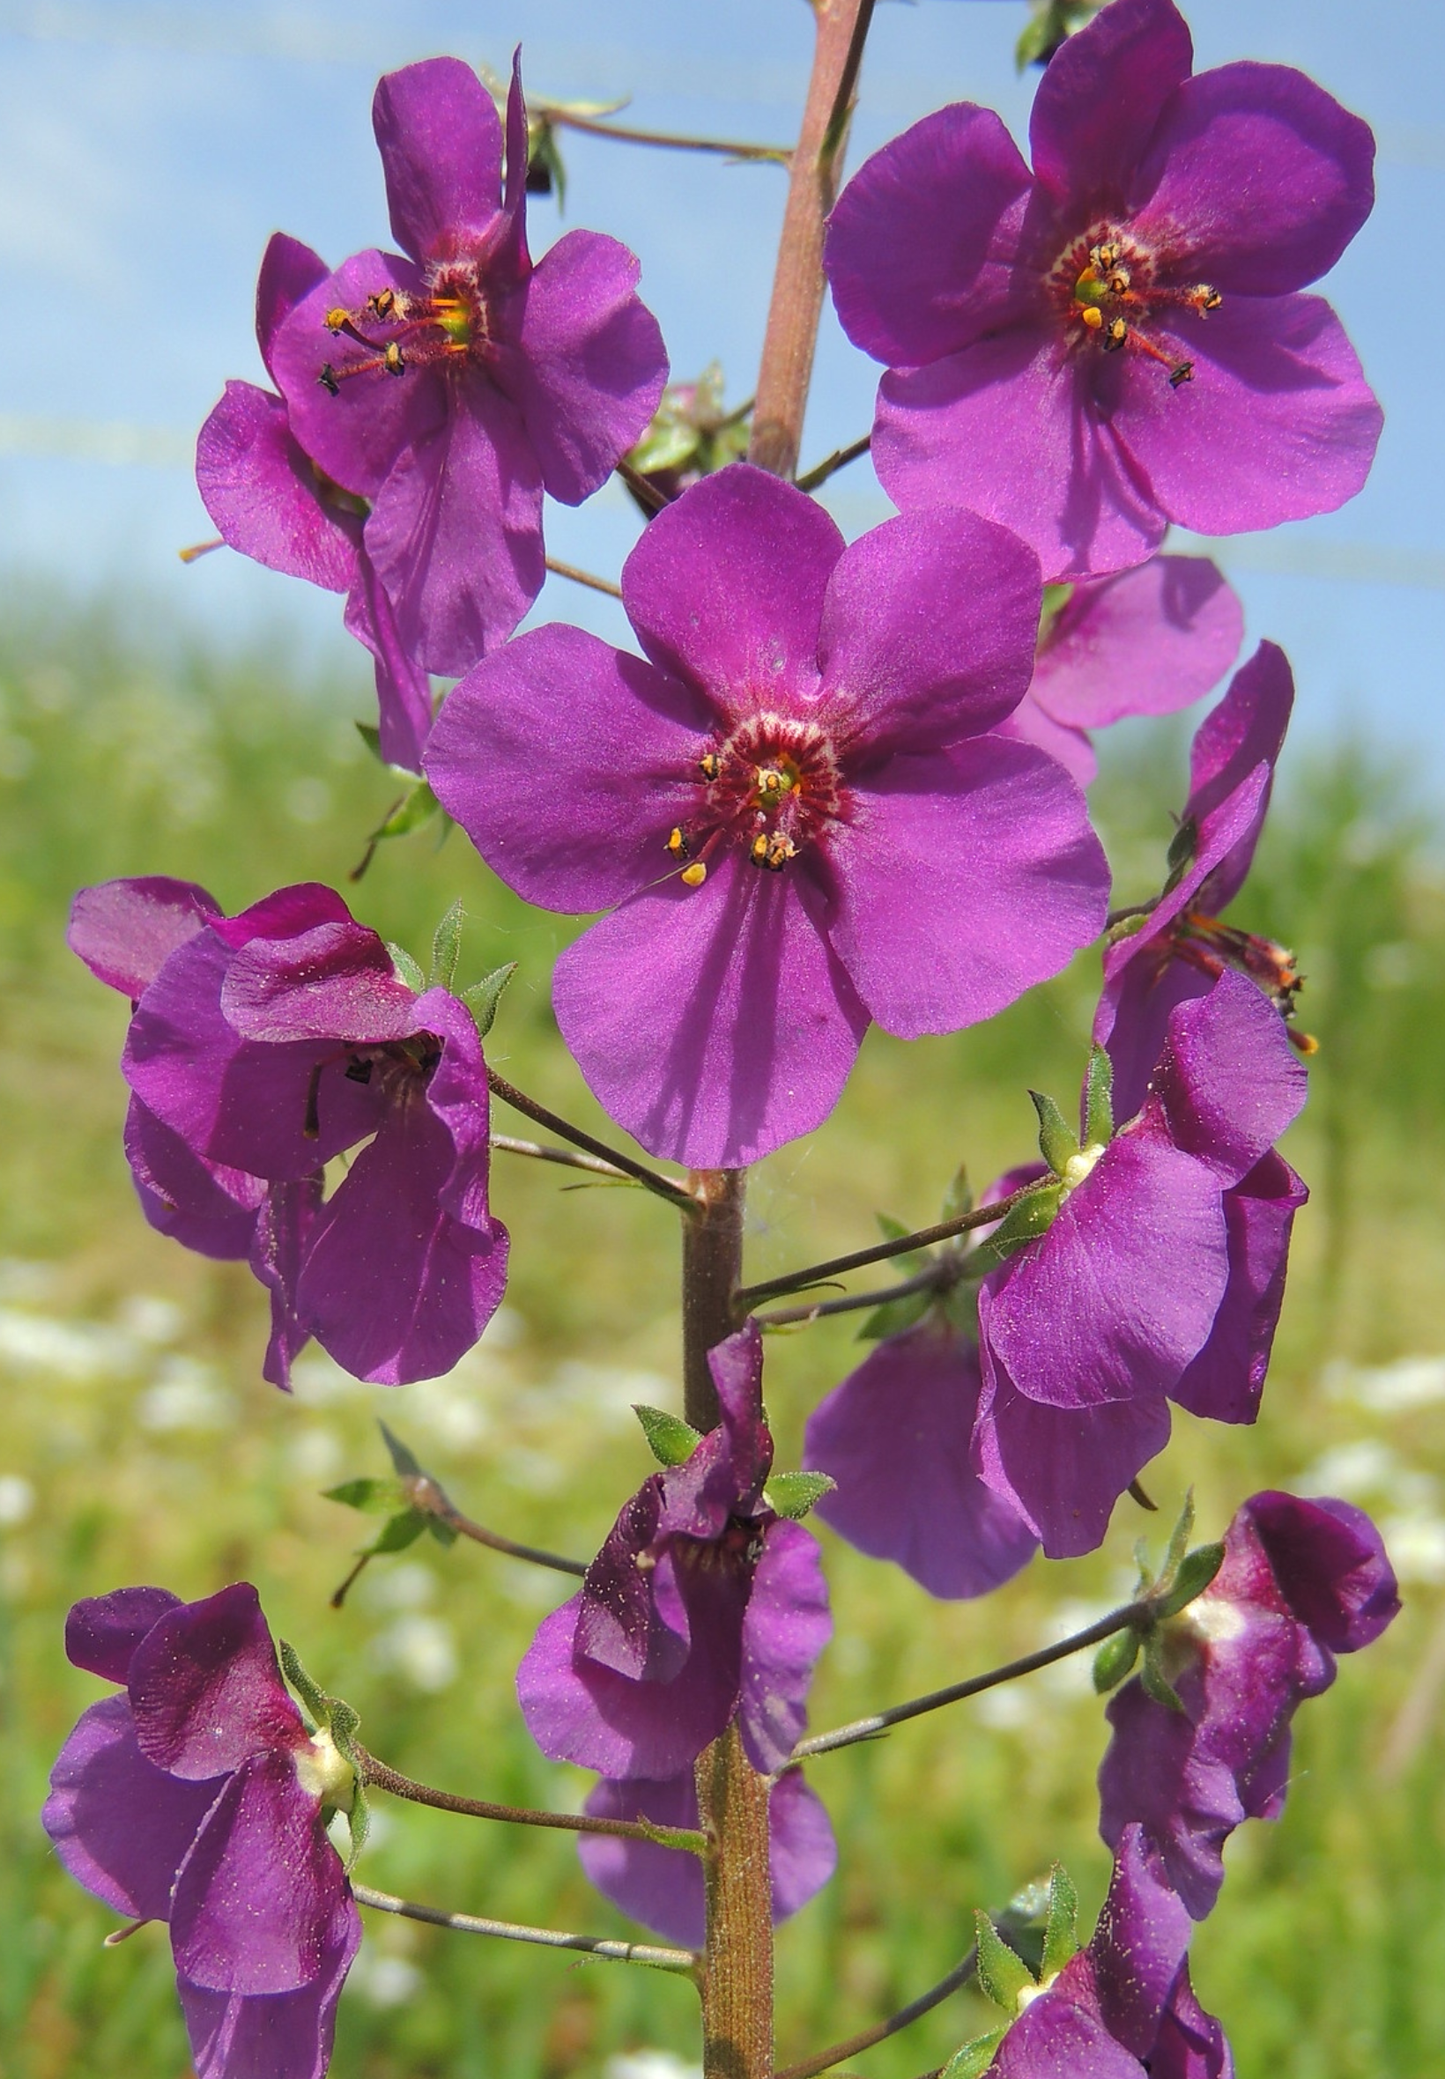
<point>670,1440</point>
<point>358,1822</point>
<point>375,1496</point>
<point>406,969</point>
<point>417,806</point>
<point>960,1304</point>
<point>1156,1683</point>
<point>1178,1544</point>
<point>1115,1659</point>
<point>1099,1099</point>
<point>1195,1572</point>
<point>1002,1973</point>
<point>371,736</point>
<point>446,948</point>
<point>1127,927</point>
<point>974,2059</point>
<point>793,1494</point>
<point>1024,1223</point>
<point>407,1466</point>
<point>440,1530</point>
<point>668,443</point>
<point>958,1198</point>
<point>1061,1927</point>
<point>1058,1143</point>
<point>402,1530</point>
<point>895,1315</point>
<point>343,1723</point>
<point>342,1720</point>
<point>484,996</point>
<point>1182,847</point>
<point>312,1695</point>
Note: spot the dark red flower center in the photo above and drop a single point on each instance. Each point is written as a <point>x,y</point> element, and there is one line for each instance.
<point>446,324</point>
<point>771,787</point>
<point>1112,294</point>
<point>397,1068</point>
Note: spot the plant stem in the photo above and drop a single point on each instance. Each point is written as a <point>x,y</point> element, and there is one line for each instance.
<point>749,1296</point>
<point>376,1773</point>
<point>737,1981</point>
<point>865,2039</point>
<point>665,1187</point>
<point>570,1158</point>
<point>425,1494</point>
<point>712,1256</point>
<point>797,300</point>
<point>665,140</point>
<point>509,1931</point>
<point>583,577</point>
<point>649,495</point>
<point>831,464</point>
<point>868,1728</point>
<point>937,1274</point>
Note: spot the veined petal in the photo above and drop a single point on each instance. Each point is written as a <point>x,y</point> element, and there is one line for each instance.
<point>440,139</point>
<point>1100,98</point>
<point>103,1631</point>
<point>204,1205</point>
<point>335,981</point>
<point>125,931</point>
<point>261,491</point>
<point>1144,643</point>
<point>1245,730</point>
<point>289,272</point>
<point>403,689</point>
<point>206,1690</point>
<point>1226,1379</point>
<point>787,1625</point>
<point>1228,1080</point>
<point>285,2035</point>
<point>1032,724</point>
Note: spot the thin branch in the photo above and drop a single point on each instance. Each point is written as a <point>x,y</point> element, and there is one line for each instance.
<point>545,1937</point>
<point>423,1493</point>
<point>583,577</point>
<point>958,1977</point>
<point>376,1773</point>
<point>665,1187</point>
<point>869,1728</point>
<point>839,459</point>
<point>570,1158</point>
<point>644,490</point>
<point>665,140</point>
<point>937,1274</point>
<point>749,1296</point>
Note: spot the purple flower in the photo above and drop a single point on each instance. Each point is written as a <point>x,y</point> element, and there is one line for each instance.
<point>1145,643</point>
<point>703,1605</point>
<point>197,1797</point>
<point>1176,950</point>
<point>1123,2007</point>
<point>1301,1582</point>
<point>1159,1277</point>
<point>271,502</point>
<point>1117,340</point>
<point>792,811</point>
<point>895,1439</point>
<point>450,386</point>
<point>261,1047</point>
<point>663,1887</point>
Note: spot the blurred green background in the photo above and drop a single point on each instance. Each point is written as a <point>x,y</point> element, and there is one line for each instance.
<point>140,1444</point>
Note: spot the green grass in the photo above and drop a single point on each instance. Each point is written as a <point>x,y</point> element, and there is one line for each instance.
<point>136,1414</point>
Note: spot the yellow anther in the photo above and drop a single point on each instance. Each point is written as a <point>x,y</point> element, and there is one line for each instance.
<point>677,844</point>
<point>760,850</point>
<point>1119,281</point>
<point>1092,316</point>
<point>335,319</point>
<point>1118,332</point>
<point>384,303</point>
<point>693,876</point>
<point>709,765</point>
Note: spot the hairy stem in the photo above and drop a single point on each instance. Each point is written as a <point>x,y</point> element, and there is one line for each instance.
<point>377,1775</point>
<point>583,577</point>
<point>831,464</point>
<point>797,300</point>
<point>934,1278</point>
<point>737,1980</point>
<point>665,1187</point>
<point>510,1931</point>
<point>665,140</point>
<point>712,1258</point>
<point>749,1296</point>
<point>851,2046</point>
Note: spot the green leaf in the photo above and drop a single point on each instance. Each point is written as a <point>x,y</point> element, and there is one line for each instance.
<point>974,2059</point>
<point>1178,1540</point>
<point>668,443</point>
<point>376,1495</point>
<point>1182,847</point>
<point>958,1198</point>
<point>406,968</point>
<point>1156,1682</point>
<point>417,806</point>
<point>371,736</point>
<point>1058,1143</point>
<point>403,1530</point>
<point>670,1440</point>
<point>895,1315</point>
<point>1061,1928</point>
<point>1196,1570</point>
<point>1023,1223</point>
<point>793,1494</point>
<point>401,1457</point>
<point>895,1231</point>
<point>484,996</point>
<point>1115,1659</point>
<point>311,1693</point>
<point>1003,1975</point>
<point>440,1529</point>
<point>1099,1099</point>
<point>446,947</point>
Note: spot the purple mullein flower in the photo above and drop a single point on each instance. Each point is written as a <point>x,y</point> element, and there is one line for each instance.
<point>663,1887</point>
<point>1123,2007</point>
<point>271,503</point>
<point>262,1046</point>
<point>704,1605</point>
<point>451,386</point>
<point>1145,643</point>
<point>1159,1277</point>
<point>1301,1582</point>
<point>197,1797</point>
<point>793,810</point>
<point>1175,950</point>
<point>1123,324</point>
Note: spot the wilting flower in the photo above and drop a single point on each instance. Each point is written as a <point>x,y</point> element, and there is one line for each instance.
<point>261,1047</point>
<point>1116,340</point>
<point>895,1439</point>
<point>1159,1277</point>
<point>196,1796</point>
<point>1145,643</point>
<point>704,1605</point>
<point>1173,951</point>
<point>271,502</point>
<point>663,1887</point>
<point>450,386</point>
<point>1123,2007</point>
<point>1301,1582</point>
<point>793,805</point>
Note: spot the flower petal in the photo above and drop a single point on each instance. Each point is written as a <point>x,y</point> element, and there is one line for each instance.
<point>1331,1565</point>
<point>333,982</point>
<point>284,2035</point>
<point>1245,731</point>
<point>1226,1379</point>
<point>204,1205</point>
<point>787,1625</point>
<point>1031,724</point>
<point>1144,643</point>
<point>103,1631</point>
<point>125,931</point>
<point>1100,98</point>
<point>1138,1945</point>
<point>283,1231</point>
<point>1228,1080</point>
<point>403,689</point>
<point>440,139</point>
<point>206,1689</point>
<point>289,272</point>
<point>263,494</point>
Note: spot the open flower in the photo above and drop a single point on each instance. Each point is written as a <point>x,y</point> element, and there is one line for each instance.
<point>271,502</point>
<point>1301,1582</point>
<point>1160,1275</point>
<point>196,1796</point>
<point>449,386</point>
<point>794,805</point>
<point>704,1605</point>
<point>1117,339</point>
<point>261,1047</point>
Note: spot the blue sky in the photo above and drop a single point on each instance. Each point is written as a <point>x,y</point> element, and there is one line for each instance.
<point>149,149</point>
